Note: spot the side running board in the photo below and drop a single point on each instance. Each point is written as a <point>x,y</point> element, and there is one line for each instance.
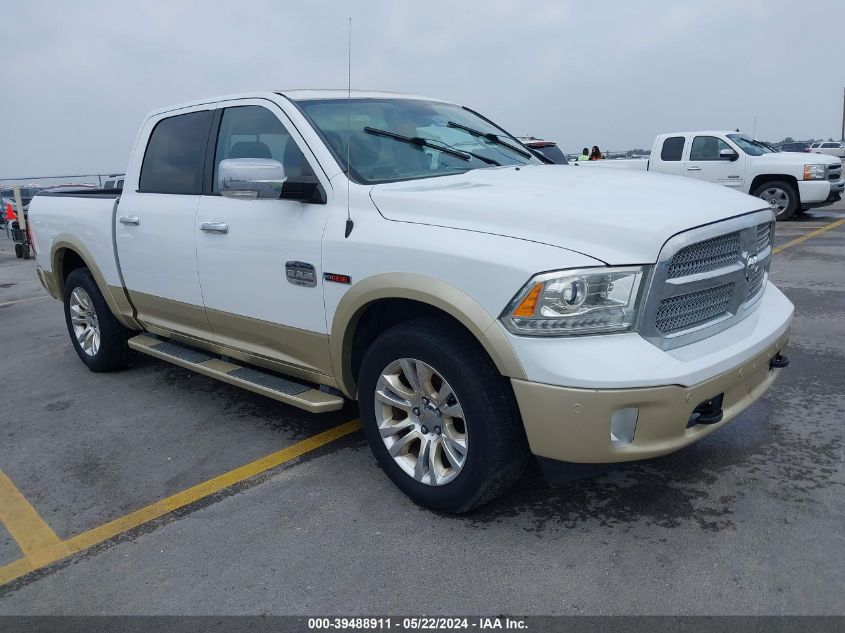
<point>255,380</point>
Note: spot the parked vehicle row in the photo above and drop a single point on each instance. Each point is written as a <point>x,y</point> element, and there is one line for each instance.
<point>831,148</point>
<point>789,182</point>
<point>480,304</point>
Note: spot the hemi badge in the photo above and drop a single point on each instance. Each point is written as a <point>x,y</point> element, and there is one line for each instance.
<point>338,279</point>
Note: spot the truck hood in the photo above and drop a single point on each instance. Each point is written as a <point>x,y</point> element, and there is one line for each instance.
<point>619,217</point>
<point>798,159</point>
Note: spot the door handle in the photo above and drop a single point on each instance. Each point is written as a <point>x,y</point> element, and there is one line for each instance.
<point>134,220</point>
<point>693,168</point>
<point>214,227</point>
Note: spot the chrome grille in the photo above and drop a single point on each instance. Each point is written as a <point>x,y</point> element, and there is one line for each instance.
<point>755,283</point>
<point>683,312</point>
<point>707,255</point>
<point>834,173</point>
<point>707,279</point>
<point>764,236</point>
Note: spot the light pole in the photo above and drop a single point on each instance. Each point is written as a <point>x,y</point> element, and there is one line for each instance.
<point>842,138</point>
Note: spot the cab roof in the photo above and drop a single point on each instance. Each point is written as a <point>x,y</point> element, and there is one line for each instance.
<point>300,94</point>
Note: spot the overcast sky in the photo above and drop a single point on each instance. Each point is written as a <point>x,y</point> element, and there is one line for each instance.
<point>78,77</point>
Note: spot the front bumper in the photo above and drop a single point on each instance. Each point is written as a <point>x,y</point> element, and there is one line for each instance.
<point>573,425</point>
<point>814,191</point>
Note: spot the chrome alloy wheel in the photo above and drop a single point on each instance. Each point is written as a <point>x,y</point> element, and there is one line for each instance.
<point>421,422</point>
<point>83,320</point>
<point>777,198</point>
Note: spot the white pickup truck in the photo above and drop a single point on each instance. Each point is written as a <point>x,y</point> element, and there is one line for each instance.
<point>790,182</point>
<point>407,253</point>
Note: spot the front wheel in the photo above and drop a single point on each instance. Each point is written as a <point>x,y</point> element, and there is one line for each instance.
<point>440,419</point>
<point>782,196</point>
<point>100,341</point>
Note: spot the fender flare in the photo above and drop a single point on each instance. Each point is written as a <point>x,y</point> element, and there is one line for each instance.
<point>423,289</point>
<point>116,298</point>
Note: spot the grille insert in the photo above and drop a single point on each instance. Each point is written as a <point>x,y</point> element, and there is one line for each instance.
<point>764,236</point>
<point>755,283</point>
<point>682,312</point>
<point>708,255</point>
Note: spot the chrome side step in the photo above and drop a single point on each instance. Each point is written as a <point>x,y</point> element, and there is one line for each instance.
<point>255,380</point>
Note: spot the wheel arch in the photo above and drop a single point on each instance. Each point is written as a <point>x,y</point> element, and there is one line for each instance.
<point>764,178</point>
<point>387,299</point>
<point>68,255</point>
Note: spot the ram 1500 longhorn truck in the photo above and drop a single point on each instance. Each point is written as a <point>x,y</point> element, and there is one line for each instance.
<point>791,182</point>
<point>407,253</point>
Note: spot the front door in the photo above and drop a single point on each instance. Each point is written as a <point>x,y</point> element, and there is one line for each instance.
<point>155,228</point>
<point>260,265</point>
<point>705,162</point>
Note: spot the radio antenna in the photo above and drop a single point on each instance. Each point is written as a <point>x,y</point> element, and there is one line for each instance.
<point>349,223</point>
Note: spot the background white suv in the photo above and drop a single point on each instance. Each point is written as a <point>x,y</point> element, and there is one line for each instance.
<point>832,148</point>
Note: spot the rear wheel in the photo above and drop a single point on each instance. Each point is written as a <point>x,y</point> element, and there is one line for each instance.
<point>100,341</point>
<point>440,419</point>
<point>781,196</point>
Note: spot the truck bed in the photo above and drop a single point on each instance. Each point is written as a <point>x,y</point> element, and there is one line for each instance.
<point>78,217</point>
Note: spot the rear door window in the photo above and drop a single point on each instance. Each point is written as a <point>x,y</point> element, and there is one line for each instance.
<point>673,148</point>
<point>175,154</point>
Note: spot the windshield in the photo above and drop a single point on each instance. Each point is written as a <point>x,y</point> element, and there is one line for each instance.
<point>400,139</point>
<point>749,145</point>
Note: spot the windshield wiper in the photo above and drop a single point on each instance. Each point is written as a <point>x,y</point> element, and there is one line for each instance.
<point>417,140</point>
<point>490,136</point>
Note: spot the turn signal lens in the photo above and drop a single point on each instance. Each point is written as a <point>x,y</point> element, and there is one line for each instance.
<point>529,304</point>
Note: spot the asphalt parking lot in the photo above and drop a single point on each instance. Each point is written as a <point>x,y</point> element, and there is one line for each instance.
<point>142,492</point>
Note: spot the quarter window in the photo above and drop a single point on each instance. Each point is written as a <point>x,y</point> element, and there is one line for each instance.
<point>255,132</point>
<point>175,155</point>
<point>707,148</point>
<point>673,148</point>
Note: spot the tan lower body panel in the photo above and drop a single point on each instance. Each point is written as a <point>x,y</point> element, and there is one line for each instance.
<point>573,425</point>
<point>276,347</point>
<point>312,400</point>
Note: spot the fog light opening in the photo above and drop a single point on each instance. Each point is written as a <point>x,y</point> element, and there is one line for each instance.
<point>623,425</point>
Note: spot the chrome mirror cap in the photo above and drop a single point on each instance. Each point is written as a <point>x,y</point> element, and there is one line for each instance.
<point>250,178</point>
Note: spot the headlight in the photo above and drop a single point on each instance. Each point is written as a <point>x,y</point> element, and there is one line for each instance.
<point>585,301</point>
<point>815,172</point>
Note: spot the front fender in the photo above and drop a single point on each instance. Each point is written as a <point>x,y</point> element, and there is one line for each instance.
<point>424,289</point>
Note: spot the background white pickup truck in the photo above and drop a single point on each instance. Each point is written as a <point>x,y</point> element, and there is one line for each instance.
<point>409,254</point>
<point>790,182</point>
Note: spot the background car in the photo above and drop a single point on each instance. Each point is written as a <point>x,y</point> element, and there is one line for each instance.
<point>831,148</point>
<point>547,149</point>
<point>798,146</point>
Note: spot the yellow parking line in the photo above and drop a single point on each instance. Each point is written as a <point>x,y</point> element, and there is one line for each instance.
<point>37,540</point>
<point>160,508</point>
<point>811,234</point>
<point>11,303</point>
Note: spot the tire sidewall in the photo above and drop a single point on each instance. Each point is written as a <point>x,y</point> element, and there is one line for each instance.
<point>459,492</point>
<point>110,336</point>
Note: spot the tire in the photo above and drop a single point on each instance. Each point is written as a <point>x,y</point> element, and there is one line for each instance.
<point>106,347</point>
<point>783,197</point>
<point>494,443</point>
<point>18,251</point>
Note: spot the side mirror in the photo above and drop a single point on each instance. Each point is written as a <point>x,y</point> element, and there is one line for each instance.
<point>728,154</point>
<point>250,178</point>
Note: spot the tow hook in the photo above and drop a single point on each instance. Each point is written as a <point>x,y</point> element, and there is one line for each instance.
<point>779,361</point>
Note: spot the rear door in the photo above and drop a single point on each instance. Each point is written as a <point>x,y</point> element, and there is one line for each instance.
<point>669,158</point>
<point>262,277</point>
<point>155,228</point>
<point>705,163</point>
